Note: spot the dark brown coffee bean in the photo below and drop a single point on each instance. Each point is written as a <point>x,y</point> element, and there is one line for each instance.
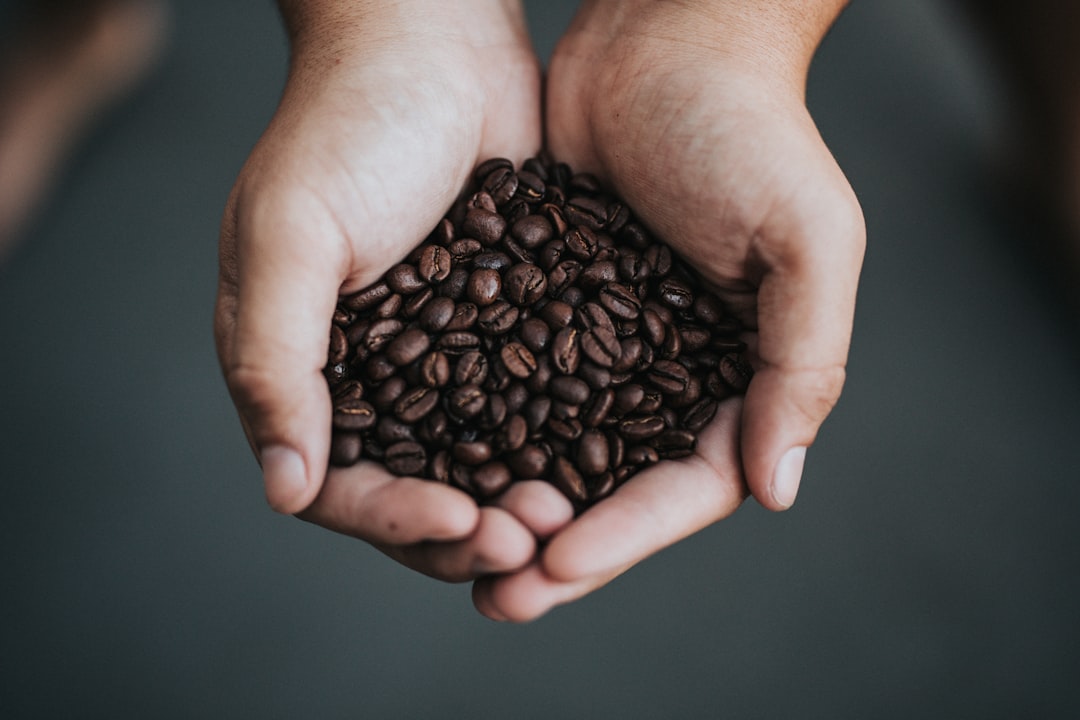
<point>593,452</point>
<point>587,212</point>
<point>436,314</point>
<point>345,448</point>
<point>694,338</point>
<point>568,429</point>
<point>379,368</point>
<point>659,257</point>
<point>414,404</point>
<point>491,479</point>
<point>627,399</point>
<point>572,390</point>
<point>599,407</point>
<point>535,334</point>
<point>489,166</point>
<point>735,372</point>
<point>652,401</point>
<point>440,467</point>
<point>675,293</point>
<point>536,412</point>
<point>654,328</point>
<point>672,346</point>
<point>494,414</point>
<point>471,368</point>
<point>465,402</point>
<point>435,369</point>
<point>458,342</point>
<point>415,304</point>
<point>408,346</point>
<point>642,455</point>
<point>367,298</point>
<point>381,332</point>
<point>484,225</point>
<point>537,383</point>
<point>581,242</point>
<point>390,430</point>
<point>454,286</point>
<point>524,283</point>
<point>557,315</point>
<point>349,390</point>
<point>641,427</point>
<point>569,480</point>
<point>501,183</point>
<point>405,458</point>
<point>551,254</point>
<point>562,410</point>
<point>620,301</point>
<point>673,444</point>
<point>444,232</point>
<point>518,360</point>
<point>530,186</point>
<point>700,415</point>
<point>472,453</point>
<point>562,276</point>
<point>464,249</point>
<point>531,462</point>
<point>565,351</point>
<point>669,377</point>
<point>384,397</point>
<point>465,316</point>
<point>598,274</point>
<point>484,286</point>
<point>600,486</point>
<point>498,318</point>
<point>532,231</point>
<point>601,346</point>
<point>492,260</point>
<point>633,268</point>
<point>343,317</point>
<point>339,345</point>
<point>435,264</point>
<point>405,279</point>
<point>633,349</point>
<point>514,433</point>
<point>617,447</point>
<point>708,309</point>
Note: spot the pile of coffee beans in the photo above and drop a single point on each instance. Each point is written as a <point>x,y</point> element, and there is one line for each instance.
<point>540,332</point>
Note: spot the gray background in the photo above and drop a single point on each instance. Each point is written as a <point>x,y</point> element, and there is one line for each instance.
<point>928,569</point>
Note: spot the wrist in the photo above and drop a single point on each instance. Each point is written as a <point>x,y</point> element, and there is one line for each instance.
<point>777,38</point>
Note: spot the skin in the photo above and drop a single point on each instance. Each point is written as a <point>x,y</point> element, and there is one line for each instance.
<point>694,111</point>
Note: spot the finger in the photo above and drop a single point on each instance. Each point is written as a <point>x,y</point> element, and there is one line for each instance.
<point>527,595</point>
<point>655,508</point>
<point>538,505</point>
<point>500,544</point>
<point>282,263</point>
<point>367,502</point>
<point>806,306</point>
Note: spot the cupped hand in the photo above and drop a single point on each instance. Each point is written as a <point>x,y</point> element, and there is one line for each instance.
<point>697,118</point>
<point>388,107</point>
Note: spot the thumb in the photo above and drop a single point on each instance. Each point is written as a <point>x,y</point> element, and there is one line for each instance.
<point>277,293</point>
<point>806,304</point>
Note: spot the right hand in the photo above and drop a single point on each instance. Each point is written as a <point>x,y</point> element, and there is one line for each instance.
<point>388,107</point>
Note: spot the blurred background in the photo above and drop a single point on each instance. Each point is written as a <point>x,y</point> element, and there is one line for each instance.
<point>929,568</point>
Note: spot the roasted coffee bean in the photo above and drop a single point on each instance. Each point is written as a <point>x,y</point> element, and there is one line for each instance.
<point>735,372</point>
<point>466,401</point>
<point>454,286</point>
<point>597,377</point>
<point>436,314</point>
<point>581,242</point>
<point>557,315</point>
<point>536,412</point>
<point>492,260</point>
<point>601,346</point>
<point>458,342</point>
<point>620,301</point>
<point>464,249</point>
<point>390,430</point>
<point>599,407</point>
<point>379,368</point>
<point>501,183</point>
<point>484,225</point>
<point>518,360</point>
<point>405,279</point>
<point>551,254</point>
<point>435,264</point>
<point>708,309</point>
<point>405,458</point>
<point>349,390</point>
<point>471,368</point>
<point>672,346</point>
<point>414,404</point>
<point>569,480</point>
<point>700,415</point>
<point>593,452</point>
<point>381,333</point>
<point>415,304</point>
<point>516,395</point>
<point>587,212</point>
<point>390,307</point>
<point>491,479</point>
<point>669,376</point>
<point>617,448</point>
<point>440,467</point>
<point>572,390</point>
<point>524,283</point>
<point>633,268</point>
<point>408,346</point>
<point>694,338</point>
<point>472,453</point>
<point>672,444</point>
<point>598,274</point>
<point>498,318</point>
<point>537,383</point>
<point>653,328</point>
<point>562,276</point>
<point>484,286</point>
<point>676,293</point>
<point>535,334</point>
<point>641,427</point>
<point>567,429</point>
<point>345,448</point>
<point>514,433</point>
<point>651,402</point>
<point>565,350</point>
<point>530,462</point>
<point>354,416</point>
<point>494,414</point>
<point>367,298</point>
<point>532,231</point>
<point>642,455</point>
<point>489,166</point>
<point>600,486</point>
<point>444,232</point>
<point>387,393</point>
<point>464,317</point>
<point>339,346</point>
<point>659,257</point>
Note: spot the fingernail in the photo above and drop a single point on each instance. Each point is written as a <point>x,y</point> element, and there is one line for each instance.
<point>284,476</point>
<point>788,476</point>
